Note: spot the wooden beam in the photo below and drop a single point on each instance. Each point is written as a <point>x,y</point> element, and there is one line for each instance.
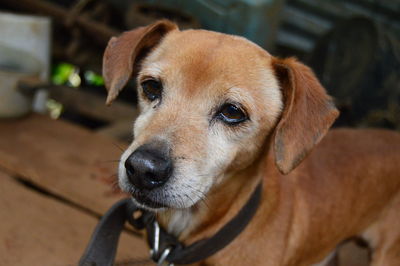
<point>38,230</point>
<point>121,130</point>
<point>63,159</point>
<point>97,31</point>
<point>92,105</point>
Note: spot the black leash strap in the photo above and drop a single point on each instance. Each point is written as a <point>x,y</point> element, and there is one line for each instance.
<point>102,247</point>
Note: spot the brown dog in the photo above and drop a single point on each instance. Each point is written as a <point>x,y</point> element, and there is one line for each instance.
<point>220,115</point>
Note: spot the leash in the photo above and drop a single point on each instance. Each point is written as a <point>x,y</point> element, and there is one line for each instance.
<point>165,248</point>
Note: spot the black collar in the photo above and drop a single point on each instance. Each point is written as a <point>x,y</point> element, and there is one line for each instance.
<point>164,247</point>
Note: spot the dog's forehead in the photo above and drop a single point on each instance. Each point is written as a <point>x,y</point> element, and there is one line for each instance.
<point>200,56</point>
<point>209,43</point>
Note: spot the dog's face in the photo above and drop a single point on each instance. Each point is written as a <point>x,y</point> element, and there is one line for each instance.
<point>207,103</point>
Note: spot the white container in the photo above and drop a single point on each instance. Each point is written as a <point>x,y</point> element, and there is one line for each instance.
<point>15,67</point>
<point>24,53</point>
<point>30,34</point>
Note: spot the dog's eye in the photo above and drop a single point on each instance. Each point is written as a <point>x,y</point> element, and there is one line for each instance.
<point>152,89</point>
<point>231,114</point>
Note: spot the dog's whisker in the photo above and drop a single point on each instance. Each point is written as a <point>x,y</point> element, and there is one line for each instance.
<point>115,185</point>
<point>197,190</point>
<point>201,195</point>
<point>205,203</point>
<point>187,196</point>
<point>180,158</point>
<point>113,176</point>
<point>110,161</point>
<point>178,201</point>
<point>119,147</point>
<point>203,199</point>
<point>182,202</point>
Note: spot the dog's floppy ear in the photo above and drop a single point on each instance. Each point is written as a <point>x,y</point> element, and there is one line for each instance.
<point>124,51</point>
<point>307,115</point>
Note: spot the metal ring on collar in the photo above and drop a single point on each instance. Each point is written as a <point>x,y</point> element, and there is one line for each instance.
<point>163,258</point>
<point>156,244</point>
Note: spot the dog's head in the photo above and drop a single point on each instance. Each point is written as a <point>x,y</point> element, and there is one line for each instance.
<point>208,103</point>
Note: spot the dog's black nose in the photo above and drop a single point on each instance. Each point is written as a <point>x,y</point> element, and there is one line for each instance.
<point>148,168</point>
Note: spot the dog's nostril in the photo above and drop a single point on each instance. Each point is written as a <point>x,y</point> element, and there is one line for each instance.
<point>129,171</point>
<point>129,167</point>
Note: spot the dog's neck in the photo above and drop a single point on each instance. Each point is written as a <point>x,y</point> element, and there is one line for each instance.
<point>206,217</point>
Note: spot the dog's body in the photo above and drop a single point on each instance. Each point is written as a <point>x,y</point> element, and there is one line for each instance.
<point>328,198</point>
<point>219,115</point>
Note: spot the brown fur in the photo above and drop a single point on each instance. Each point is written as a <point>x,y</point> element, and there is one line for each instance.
<point>348,185</point>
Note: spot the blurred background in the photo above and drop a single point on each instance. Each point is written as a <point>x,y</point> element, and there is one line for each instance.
<point>352,45</point>
<point>61,148</point>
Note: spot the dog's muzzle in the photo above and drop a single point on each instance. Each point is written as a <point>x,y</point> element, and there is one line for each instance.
<point>148,167</point>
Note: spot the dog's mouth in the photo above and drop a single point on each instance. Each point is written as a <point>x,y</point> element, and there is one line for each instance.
<point>143,198</point>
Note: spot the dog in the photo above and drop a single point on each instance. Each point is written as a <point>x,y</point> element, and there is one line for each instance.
<point>218,116</point>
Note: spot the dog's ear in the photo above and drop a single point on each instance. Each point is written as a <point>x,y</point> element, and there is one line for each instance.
<point>307,115</point>
<point>124,52</point>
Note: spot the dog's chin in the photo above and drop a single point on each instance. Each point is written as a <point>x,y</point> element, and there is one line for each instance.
<point>153,207</point>
<point>161,199</point>
<point>144,202</point>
